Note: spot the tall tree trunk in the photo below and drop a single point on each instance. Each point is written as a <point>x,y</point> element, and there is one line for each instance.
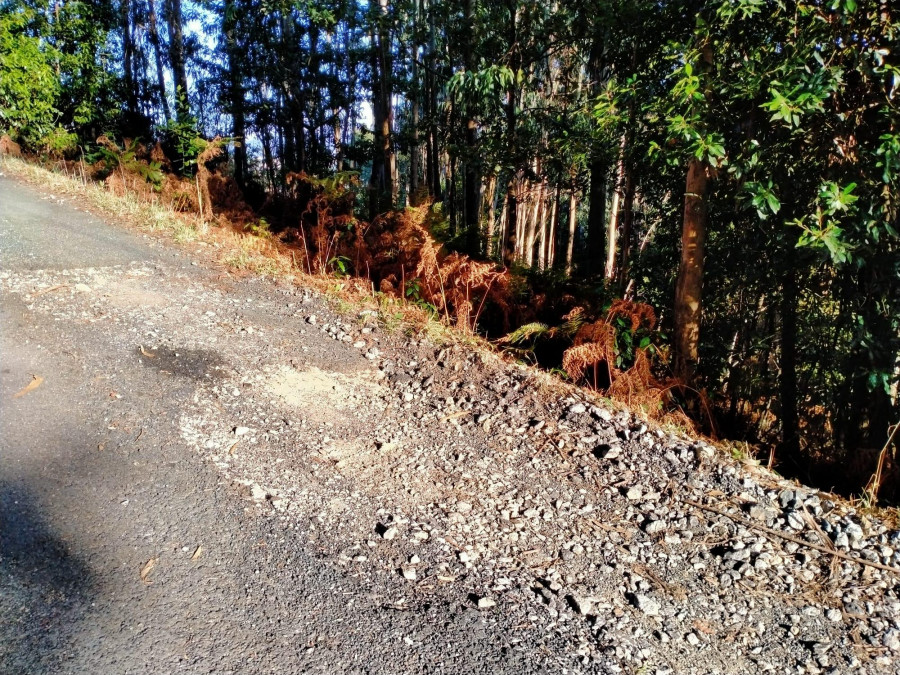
<point>512,214</point>
<point>790,432</point>
<point>596,221</point>
<point>235,92</point>
<point>451,199</point>
<point>489,197</point>
<point>598,168</point>
<point>573,229</point>
<point>415,95</point>
<point>472,178</point>
<point>627,226</point>
<point>689,285</point>
<point>511,207</point>
<point>131,99</point>
<point>384,190</point>
<point>384,50</point>
<point>177,59</point>
<point>690,272</point>
<point>153,31</point>
<point>294,157</point>
<point>551,227</point>
<point>612,231</point>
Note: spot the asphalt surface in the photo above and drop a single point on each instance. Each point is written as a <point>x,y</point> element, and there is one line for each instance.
<point>95,482</point>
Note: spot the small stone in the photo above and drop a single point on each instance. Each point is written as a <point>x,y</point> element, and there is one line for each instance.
<point>692,639</point>
<point>241,431</point>
<point>583,605</point>
<point>647,605</point>
<point>389,533</point>
<point>486,603</point>
<point>601,414</point>
<point>82,288</point>
<point>577,408</point>
<point>258,493</point>
<point>359,344</point>
<point>833,615</point>
<point>795,520</point>
<point>609,452</point>
<point>409,573</point>
<point>634,492</point>
<point>758,512</point>
<point>311,320</point>
<point>891,640</point>
<point>854,532</point>
<point>414,559</point>
<point>656,526</point>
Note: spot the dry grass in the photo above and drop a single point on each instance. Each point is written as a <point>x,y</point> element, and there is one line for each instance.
<point>151,215</point>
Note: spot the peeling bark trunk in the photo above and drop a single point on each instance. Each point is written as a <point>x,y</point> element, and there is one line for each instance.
<point>690,272</point>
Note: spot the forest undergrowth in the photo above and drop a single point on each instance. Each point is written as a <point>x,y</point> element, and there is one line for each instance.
<point>399,260</point>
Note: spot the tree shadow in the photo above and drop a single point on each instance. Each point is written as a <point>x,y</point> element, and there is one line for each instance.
<point>44,588</point>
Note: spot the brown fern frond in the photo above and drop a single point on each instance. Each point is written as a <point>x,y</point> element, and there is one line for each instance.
<point>589,354</point>
<point>637,313</point>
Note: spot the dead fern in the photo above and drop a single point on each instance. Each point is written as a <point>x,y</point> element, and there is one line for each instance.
<point>639,314</point>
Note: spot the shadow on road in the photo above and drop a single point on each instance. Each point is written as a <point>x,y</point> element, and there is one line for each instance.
<point>44,589</point>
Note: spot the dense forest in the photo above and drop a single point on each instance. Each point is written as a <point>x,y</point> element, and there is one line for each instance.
<point>692,206</point>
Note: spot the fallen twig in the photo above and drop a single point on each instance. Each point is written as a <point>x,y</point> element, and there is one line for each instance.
<point>796,540</point>
<point>48,290</point>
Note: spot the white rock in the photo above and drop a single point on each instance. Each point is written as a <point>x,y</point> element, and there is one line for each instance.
<point>647,605</point>
<point>486,603</point>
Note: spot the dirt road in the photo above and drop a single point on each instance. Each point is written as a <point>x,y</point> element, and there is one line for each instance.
<point>121,549</point>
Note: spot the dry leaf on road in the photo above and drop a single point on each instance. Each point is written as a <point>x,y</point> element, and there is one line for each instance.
<point>146,569</point>
<point>36,381</point>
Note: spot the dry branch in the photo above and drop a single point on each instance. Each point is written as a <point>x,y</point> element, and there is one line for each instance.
<point>796,540</point>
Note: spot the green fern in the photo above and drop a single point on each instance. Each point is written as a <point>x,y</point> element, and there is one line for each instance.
<point>528,332</point>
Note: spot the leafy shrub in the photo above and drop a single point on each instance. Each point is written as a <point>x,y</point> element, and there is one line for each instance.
<point>60,143</point>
